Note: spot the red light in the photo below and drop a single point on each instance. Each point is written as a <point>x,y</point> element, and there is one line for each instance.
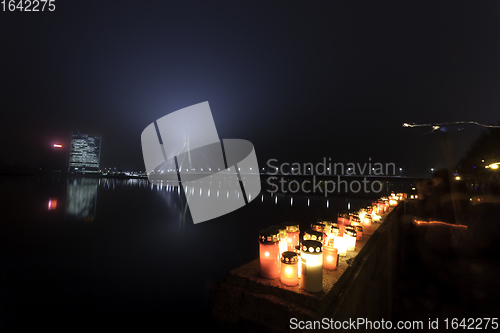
<point>58,145</point>
<point>440,223</point>
<point>52,204</point>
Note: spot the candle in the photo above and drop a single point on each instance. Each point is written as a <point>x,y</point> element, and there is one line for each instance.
<point>340,244</point>
<point>359,232</point>
<point>353,217</point>
<point>313,235</point>
<point>367,221</point>
<point>335,232</point>
<point>283,238</point>
<point>350,238</point>
<point>292,234</point>
<point>269,253</point>
<point>355,220</point>
<point>342,220</point>
<point>319,227</point>
<point>330,255</point>
<point>289,268</point>
<point>312,265</point>
<point>362,213</point>
<point>327,231</point>
<point>297,252</point>
<point>381,206</point>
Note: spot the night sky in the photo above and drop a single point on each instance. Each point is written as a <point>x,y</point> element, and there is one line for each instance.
<point>300,80</point>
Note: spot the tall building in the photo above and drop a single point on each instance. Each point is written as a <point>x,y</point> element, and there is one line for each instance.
<point>85,153</point>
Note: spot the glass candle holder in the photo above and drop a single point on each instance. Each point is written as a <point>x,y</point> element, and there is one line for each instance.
<point>334,232</point>
<point>297,252</point>
<point>353,217</point>
<point>340,244</point>
<point>342,218</point>
<point>367,221</point>
<point>313,235</point>
<point>327,231</point>
<point>362,212</point>
<point>375,207</point>
<point>269,253</point>
<point>330,257</point>
<point>289,268</point>
<point>312,265</point>
<point>350,238</point>
<point>283,238</point>
<point>355,220</point>
<point>292,234</point>
<point>319,227</point>
<point>359,232</point>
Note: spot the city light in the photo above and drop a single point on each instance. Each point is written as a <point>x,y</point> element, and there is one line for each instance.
<point>493,166</point>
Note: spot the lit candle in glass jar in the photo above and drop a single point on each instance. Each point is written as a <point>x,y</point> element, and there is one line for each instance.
<point>319,227</point>
<point>327,231</point>
<point>289,268</point>
<point>334,232</point>
<point>362,213</point>
<point>330,256</point>
<point>283,238</point>
<point>350,238</point>
<point>367,221</point>
<point>269,253</point>
<point>355,220</point>
<point>385,204</point>
<point>381,207</point>
<point>312,265</point>
<point>292,234</point>
<point>342,220</point>
<point>353,217</point>
<point>297,252</point>
<point>359,232</point>
<point>313,235</point>
<point>340,244</point>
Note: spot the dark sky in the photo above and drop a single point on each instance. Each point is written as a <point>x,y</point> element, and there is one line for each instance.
<point>301,80</point>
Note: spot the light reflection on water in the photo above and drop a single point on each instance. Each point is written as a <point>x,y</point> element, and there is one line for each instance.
<point>82,198</point>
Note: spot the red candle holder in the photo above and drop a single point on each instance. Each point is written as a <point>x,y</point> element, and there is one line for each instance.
<point>330,257</point>
<point>292,234</point>
<point>367,221</point>
<point>359,232</point>
<point>269,253</point>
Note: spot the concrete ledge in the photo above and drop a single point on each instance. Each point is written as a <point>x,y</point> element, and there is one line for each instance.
<point>356,288</point>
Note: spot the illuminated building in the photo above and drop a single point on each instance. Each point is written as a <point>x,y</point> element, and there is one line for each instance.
<point>85,153</point>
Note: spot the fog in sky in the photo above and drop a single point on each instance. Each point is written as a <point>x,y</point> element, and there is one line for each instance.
<point>300,80</point>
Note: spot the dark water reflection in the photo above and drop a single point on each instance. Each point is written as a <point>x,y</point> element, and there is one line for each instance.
<point>78,251</point>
